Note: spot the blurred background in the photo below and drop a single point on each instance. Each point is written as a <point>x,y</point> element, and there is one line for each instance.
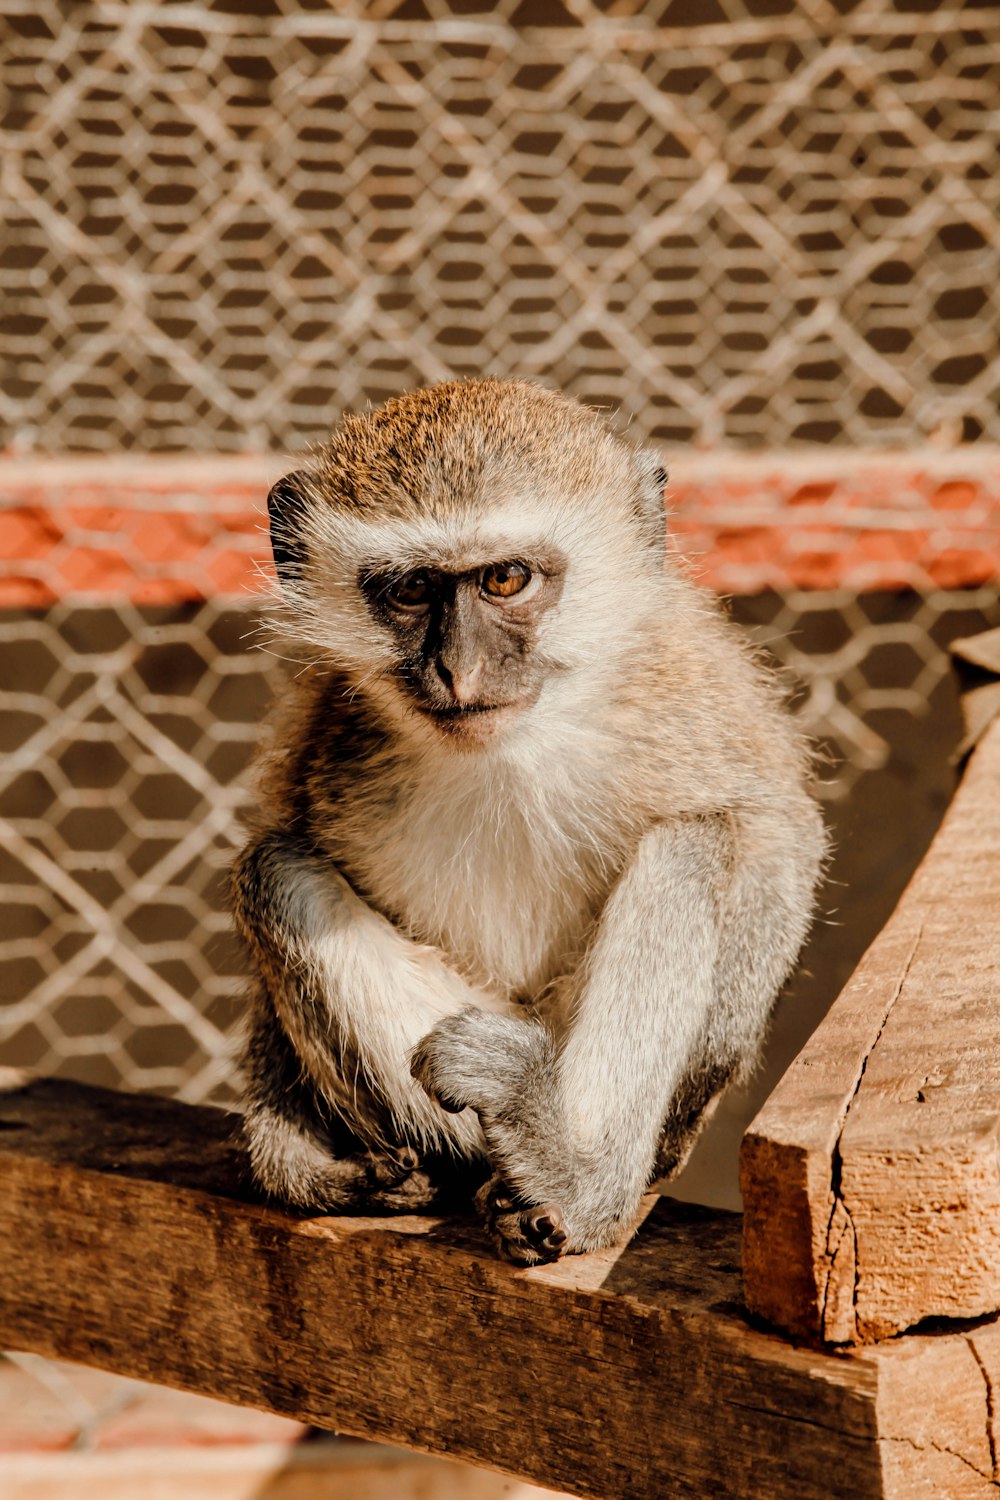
<point>763,233</point>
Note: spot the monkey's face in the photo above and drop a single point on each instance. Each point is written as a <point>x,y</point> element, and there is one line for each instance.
<point>467,636</point>
<point>473,557</point>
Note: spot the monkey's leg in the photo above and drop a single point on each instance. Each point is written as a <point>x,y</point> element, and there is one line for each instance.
<point>573,1127</point>
<point>765,909</point>
<point>690,1110</point>
<point>300,1151</point>
<point>349,996</point>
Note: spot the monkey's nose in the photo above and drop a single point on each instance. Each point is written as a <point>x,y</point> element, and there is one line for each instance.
<point>462,682</point>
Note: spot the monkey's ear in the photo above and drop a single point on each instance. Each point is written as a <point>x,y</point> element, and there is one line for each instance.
<point>286,508</point>
<point>652,505</point>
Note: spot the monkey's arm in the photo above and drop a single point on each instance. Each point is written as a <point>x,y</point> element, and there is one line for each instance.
<point>342,998</point>
<point>671,1001</point>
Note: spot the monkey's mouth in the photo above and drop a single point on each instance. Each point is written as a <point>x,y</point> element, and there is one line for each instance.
<point>470,721</point>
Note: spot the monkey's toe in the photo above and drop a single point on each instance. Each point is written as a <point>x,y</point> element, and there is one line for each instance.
<point>408,1159</point>
<point>530,1237</point>
<point>386,1171</point>
<point>526,1236</point>
<point>414,1193</point>
<point>547,1228</point>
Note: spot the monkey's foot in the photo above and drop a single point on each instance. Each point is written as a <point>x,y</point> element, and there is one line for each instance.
<point>364,1182</point>
<point>392,1182</point>
<point>409,1196</point>
<point>526,1236</point>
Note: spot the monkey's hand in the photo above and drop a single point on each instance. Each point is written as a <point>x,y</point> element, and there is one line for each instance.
<point>502,1067</point>
<point>479,1060</point>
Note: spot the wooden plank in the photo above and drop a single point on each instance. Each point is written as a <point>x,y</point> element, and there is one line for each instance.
<point>932,1399</point>
<point>873,1171</point>
<point>130,1240</point>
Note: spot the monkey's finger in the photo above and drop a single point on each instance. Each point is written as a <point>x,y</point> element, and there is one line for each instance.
<point>424,1069</point>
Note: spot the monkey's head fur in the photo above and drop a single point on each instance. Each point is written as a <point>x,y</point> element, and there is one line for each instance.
<point>471,554</point>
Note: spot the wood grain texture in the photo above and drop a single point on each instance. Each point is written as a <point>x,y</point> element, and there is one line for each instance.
<point>131,1241</point>
<point>932,1396</point>
<point>873,1171</point>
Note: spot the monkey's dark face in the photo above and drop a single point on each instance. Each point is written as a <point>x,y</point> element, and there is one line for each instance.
<point>466,638</point>
<point>473,556</point>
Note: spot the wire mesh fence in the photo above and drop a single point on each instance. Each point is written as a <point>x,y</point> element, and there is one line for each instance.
<point>127,735</point>
<point>741,223</point>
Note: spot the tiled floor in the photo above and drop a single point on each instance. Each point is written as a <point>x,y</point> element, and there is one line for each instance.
<point>50,1406</point>
<point>70,1433</point>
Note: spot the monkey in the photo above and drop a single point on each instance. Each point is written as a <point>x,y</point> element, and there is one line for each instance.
<point>534,848</point>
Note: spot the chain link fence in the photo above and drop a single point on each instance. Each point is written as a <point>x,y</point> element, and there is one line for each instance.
<point>128,730</point>
<point>738,224</point>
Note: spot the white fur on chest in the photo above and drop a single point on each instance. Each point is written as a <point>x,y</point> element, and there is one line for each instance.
<point>501,869</point>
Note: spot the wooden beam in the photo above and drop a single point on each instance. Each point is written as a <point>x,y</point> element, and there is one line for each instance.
<point>872,1174</point>
<point>130,1240</point>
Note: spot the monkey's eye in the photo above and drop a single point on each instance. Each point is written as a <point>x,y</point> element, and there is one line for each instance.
<point>412,591</point>
<point>504,580</point>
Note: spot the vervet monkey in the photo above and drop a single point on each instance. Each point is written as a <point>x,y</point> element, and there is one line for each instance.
<point>534,850</point>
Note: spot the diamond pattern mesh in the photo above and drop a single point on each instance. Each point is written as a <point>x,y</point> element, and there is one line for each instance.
<point>742,223</point>
<point>127,731</point>
<point>124,739</point>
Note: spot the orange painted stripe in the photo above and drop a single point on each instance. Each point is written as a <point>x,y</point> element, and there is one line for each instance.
<point>159,531</point>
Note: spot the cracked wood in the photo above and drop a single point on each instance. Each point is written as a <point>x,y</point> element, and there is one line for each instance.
<point>131,1240</point>
<point>872,1174</point>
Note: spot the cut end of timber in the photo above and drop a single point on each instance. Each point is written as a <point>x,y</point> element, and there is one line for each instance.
<point>779,1260</point>
<point>871,1177</point>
